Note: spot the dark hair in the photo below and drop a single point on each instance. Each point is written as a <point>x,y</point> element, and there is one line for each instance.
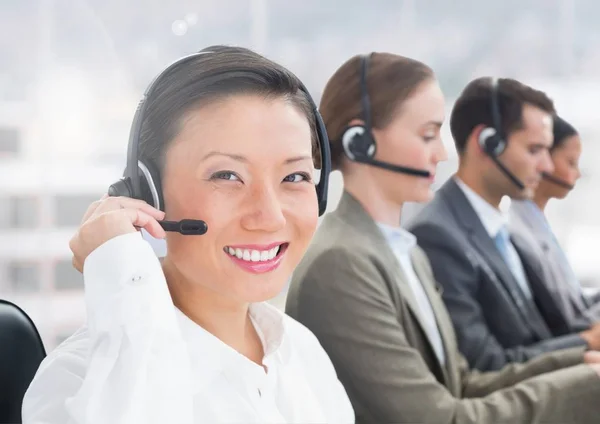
<point>391,80</point>
<point>222,72</point>
<point>473,107</point>
<point>561,130</point>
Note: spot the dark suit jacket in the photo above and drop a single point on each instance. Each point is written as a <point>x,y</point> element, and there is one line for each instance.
<point>350,291</point>
<point>495,323</point>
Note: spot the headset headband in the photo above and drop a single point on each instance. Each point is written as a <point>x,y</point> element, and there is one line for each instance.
<point>496,117</point>
<point>133,161</point>
<point>131,170</point>
<point>364,91</point>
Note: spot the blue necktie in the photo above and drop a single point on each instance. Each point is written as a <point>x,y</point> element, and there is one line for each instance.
<point>511,257</point>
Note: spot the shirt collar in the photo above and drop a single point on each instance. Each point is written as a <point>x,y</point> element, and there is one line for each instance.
<point>492,219</point>
<point>399,239</point>
<point>210,357</point>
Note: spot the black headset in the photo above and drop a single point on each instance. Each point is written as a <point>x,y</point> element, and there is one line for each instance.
<point>492,140</point>
<point>358,141</point>
<point>141,179</point>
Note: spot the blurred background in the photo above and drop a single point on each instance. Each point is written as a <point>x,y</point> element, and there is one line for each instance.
<point>72,72</point>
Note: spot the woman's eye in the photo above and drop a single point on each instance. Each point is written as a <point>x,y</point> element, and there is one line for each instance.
<point>225,175</point>
<point>297,177</point>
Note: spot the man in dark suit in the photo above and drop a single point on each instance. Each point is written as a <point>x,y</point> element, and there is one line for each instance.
<point>501,308</point>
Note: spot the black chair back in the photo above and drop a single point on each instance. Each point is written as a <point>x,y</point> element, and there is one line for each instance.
<point>21,352</point>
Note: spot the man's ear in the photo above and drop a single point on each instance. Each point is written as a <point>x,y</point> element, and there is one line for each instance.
<point>355,121</point>
<point>473,140</point>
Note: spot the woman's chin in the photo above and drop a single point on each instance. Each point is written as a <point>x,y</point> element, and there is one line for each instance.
<point>422,196</point>
<point>263,289</point>
<point>263,295</point>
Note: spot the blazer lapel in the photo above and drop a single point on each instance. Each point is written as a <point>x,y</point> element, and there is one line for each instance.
<point>351,211</point>
<point>407,292</point>
<point>442,318</point>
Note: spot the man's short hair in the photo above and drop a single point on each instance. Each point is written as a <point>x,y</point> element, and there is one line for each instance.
<point>474,107</point>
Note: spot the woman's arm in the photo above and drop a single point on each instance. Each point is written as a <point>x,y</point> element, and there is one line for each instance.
<point>133,365</point>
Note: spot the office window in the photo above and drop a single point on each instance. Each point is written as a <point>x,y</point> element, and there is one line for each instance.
<point>66,277</point>
<point>19,212</point>
<point>24,277</point>
<point>69,209</point>
<point>10,142</point>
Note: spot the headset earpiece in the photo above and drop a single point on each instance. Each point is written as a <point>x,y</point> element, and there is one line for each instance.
<point>358,143</point>
<point>121,188</point>
<point>491,142</point>
<point>150,189</point>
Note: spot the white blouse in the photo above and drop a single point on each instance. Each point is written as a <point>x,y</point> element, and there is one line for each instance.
<point>140,360</point>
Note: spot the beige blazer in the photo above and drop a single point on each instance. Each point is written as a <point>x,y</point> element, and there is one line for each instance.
<point>351,292</point>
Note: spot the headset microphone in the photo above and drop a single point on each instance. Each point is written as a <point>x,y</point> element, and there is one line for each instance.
<point>559,182</point>
<point>191,227</point>
<point>187,227</point>
<point>398,168</point>
<point>358,142</point>
<point>509,174</point>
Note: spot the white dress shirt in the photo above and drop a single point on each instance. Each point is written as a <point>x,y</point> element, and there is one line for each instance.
<point>402,242</point>
<point>140,360</point>
<point>494,221</point>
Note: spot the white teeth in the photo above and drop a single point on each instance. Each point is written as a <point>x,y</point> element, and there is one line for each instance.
<point>251,255</point>
<point>273,252</point>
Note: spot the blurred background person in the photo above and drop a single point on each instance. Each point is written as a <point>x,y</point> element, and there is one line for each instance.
<point>527,220</point>
<point>493,287</point>
<point>367,290</point>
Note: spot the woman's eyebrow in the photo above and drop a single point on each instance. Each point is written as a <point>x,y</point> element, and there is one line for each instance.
<point>233,156</point>
<point>241,158</point>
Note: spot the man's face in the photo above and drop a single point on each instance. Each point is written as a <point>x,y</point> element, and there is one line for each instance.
<point>527,154</point>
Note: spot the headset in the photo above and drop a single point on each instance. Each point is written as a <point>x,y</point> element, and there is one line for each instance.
<point>557,181</point>
<point>358,141</point>
<point>141,179</point>
<point>492,141</point>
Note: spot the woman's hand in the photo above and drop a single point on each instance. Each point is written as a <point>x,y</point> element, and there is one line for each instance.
<point>110,217</point>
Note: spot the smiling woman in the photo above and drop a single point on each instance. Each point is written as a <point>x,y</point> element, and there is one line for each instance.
<point>231,138</point>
